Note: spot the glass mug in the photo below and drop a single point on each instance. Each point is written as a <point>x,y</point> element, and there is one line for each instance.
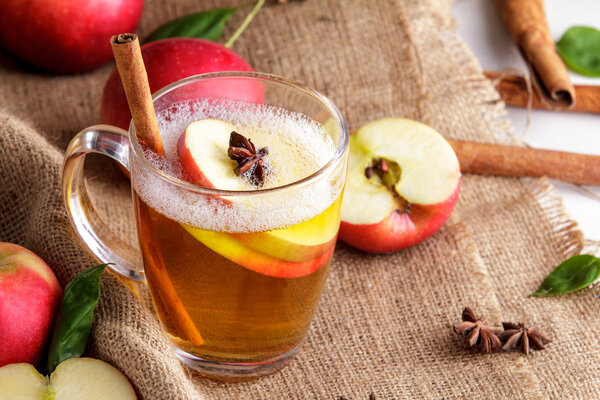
<point>235,276</point>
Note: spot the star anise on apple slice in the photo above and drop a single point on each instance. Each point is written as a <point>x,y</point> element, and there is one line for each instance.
<point>516,336</point>
<point>249,160</point>
<point>478,336</point>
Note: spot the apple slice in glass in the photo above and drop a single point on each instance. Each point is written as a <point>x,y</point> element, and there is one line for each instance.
<point>232,249</point>
<point>301,242</point>
<point>402,185</point>
<point>202,151</point>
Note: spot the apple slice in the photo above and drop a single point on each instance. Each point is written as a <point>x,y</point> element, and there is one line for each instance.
<point>301,242</point>
<point>75,378</point>
<point>234,250</point>
<point>203,156</point>
<point>202,151</point>
<point>402,185</point>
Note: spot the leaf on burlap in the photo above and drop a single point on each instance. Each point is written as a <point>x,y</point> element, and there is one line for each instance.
<point>572,274</point>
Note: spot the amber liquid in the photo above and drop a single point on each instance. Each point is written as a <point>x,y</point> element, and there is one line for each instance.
<point>216,308</point>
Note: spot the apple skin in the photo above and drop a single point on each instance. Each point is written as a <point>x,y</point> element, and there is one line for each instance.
<point>399,230</point>
<point>29,298</point>
<point>65,36</point>
<point>170,60</point>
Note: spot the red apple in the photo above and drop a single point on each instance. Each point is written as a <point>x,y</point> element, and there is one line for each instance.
<point>29,298</point>
<point>65,36</point>
<point>170,60</point>
<point>403,182</point>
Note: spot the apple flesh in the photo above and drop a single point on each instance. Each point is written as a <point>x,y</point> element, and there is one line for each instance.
<point>170,60</point>
<point>397,203</point>
<point>75,378</point>
<point>65,36</point>
<point>29,298</point>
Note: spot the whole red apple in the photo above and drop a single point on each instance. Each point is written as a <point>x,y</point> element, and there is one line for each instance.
<point>170,60</point>
<point>65,36</point>
<point>29,298</point>
<point>403,182</point>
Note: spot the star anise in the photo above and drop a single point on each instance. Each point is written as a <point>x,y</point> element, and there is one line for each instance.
<point>478,336</point>
<point>248,159</point>
<point>517,336</point>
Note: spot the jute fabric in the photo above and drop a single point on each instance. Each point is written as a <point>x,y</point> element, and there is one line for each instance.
<point>384,323</point>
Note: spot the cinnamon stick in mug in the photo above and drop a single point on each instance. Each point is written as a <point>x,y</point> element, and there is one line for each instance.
<point>128,56</point>
<point>525,20</point>
<point>166,294</point>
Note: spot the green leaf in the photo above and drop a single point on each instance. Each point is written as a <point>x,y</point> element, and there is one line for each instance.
<point>204,25</point>
<point>573,274</point>
<point>580,50</point>
<point>74,321</point>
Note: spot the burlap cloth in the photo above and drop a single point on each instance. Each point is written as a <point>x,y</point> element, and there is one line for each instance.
<point>384,323</point>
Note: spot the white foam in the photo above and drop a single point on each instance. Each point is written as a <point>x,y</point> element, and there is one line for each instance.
<point>298,147</point>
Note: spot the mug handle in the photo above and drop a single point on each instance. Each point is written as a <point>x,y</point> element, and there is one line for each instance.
<point>106,245</point>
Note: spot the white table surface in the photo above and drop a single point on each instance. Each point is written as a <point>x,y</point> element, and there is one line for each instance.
<point>481,28</point>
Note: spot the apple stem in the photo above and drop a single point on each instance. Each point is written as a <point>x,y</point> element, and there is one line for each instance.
<point>244,24</point>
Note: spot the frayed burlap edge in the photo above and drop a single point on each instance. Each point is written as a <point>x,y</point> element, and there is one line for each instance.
<point>563,228</point>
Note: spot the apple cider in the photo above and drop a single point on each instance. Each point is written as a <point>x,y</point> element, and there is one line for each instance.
<point>237,279</point>
<point>224,310</point>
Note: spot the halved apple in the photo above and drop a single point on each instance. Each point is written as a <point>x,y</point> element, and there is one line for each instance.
<point>76,378</point>
<point>402,185</point>
<point>234,250</point>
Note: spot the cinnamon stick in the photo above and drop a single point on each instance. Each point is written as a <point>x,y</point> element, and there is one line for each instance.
<point>495,159</point>
<point>165,290</point>
<point>525,20</point>
<point>128,56</point>
<point>513,90</point>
